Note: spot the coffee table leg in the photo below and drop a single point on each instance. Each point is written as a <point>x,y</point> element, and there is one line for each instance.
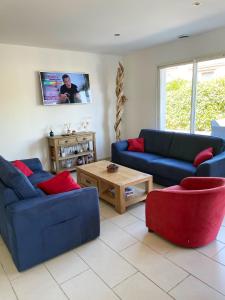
<point>120,200</point>
<point>148,186</point>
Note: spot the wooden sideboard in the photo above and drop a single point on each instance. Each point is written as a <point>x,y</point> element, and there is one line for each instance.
<point>67,152</point>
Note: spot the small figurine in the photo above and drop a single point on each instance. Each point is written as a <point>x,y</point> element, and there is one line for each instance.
<point>51,133</point>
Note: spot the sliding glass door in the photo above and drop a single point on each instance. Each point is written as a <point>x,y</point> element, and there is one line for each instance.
<point>192,95</point>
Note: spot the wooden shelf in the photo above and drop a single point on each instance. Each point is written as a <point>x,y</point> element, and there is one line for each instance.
<point>76,155</point>
<point>56,143</point>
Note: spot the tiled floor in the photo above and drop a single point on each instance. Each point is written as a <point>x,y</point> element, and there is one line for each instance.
<point>126,262</point>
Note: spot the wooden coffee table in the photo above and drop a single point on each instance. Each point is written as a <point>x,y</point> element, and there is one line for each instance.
<point>113,187</point>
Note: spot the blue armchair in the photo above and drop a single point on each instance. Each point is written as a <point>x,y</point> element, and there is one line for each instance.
<point>36,227</point>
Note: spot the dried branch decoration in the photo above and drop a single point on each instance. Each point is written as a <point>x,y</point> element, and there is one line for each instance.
<point>121,99</point>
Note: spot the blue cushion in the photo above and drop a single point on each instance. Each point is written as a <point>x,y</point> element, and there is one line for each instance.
<point>17,181</point>
<point>39,176</point>
<point>137,160</point>
<point>186,146</point>
<point>157,141</point>
<point>172,168</point>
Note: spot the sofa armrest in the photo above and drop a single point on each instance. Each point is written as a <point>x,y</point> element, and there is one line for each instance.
<point>120,146</point>
<point>33,163</point>
<point>214,167</point>
<point>47,226</point>
<point>116,148</point>
<point>50,203</point>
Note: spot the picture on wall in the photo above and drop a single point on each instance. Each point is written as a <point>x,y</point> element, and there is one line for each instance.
<point>65,88</point>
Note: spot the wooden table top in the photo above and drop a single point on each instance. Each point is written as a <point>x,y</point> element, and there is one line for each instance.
<point>124,175</point>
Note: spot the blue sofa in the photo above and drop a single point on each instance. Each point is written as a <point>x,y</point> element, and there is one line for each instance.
<point>169,156</point>
<point>36,227</point>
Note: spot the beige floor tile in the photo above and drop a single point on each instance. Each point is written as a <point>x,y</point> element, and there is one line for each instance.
<point>199,265</point>
<point>110,266</point>
<point>6,291</point>
<point>49,293</point>
<point>161,271</point>
<point>140,232</point>
<point>87,286</point>
<point>32,280</point>
<point>212,249</point>
<point>138,287</point>
<point>220,257</point>
<point>138,210</point>
<point>221,235</point>
<point>123,220</point>
<point>107,211</point>
<point>193,289</point>
<point>66,266</point>
<point>7,263</point>
<point>115,237</point>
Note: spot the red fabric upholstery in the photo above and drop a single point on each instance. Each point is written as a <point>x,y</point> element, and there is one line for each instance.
<point>22,167</point>
<point>136,145</point>
<point>190,214</point>
<point>61,183</point>
<point>203,156</point>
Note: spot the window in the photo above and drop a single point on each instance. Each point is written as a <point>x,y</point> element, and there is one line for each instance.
<point>192,95</point>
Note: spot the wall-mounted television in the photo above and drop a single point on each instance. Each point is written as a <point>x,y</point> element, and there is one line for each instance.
<point>65,88</point>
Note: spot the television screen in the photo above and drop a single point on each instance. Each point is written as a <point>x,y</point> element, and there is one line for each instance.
<point>65,88</point>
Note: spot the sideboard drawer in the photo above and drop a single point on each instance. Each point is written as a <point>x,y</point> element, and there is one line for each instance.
<point>84,138</point>
<point>67,141</point>
<point>88,180</point>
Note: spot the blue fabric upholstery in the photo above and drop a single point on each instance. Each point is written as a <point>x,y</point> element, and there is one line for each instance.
<point>42,227</point>
<point>153,141</point>
<point>186,146</point>
<point>39,176</point>
<point>172,168</point>
<point>169,156</point>
<point>33,163</point>
<point>16,180</point>
<point>141,160</point>
<point>214,167</point>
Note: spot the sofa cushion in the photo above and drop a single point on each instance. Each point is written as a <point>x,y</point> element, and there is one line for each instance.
<point>172,168</point>
<point>17,181</point>
<point>186,146</point>
<point>22,167</point>
<point>39,176</point>
<point>157,141</point>
<point>136,145</point>
<point>203,156</point>
<point>61,183</point>
<point>137,160</point>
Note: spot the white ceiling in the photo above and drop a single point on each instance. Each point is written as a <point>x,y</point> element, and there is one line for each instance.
<point>90,25</point>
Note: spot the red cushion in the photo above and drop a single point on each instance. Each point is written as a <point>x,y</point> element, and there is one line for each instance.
<point>203,156</point>
<point>136,145</point>
<point>22,167</point>
<point>61,183</point>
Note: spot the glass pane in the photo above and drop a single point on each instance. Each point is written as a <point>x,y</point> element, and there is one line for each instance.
<point>176,90</point>
<point>210,101</point>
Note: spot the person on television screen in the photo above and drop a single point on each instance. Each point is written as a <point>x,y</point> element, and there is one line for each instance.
<point>68,91</point>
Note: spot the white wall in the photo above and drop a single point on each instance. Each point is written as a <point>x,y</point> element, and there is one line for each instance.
<point>141,85</point>
<point>24,121</point>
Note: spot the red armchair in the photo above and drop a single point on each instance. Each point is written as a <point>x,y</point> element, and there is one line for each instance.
<point>189,214</point>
